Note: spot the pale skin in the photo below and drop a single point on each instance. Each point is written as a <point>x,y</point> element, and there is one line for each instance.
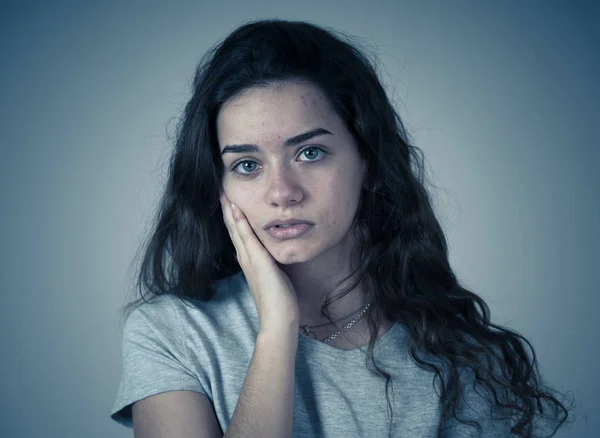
<point>318,179</point>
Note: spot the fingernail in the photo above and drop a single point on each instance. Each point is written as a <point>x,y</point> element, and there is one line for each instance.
<point>233,207</point>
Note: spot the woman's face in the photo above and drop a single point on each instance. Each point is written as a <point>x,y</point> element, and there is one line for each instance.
<point>315,177</point>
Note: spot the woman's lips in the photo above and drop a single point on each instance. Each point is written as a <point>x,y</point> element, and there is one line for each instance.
<point>289,232</point>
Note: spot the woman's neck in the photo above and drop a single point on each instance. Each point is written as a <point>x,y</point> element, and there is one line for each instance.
<point>312,280</point>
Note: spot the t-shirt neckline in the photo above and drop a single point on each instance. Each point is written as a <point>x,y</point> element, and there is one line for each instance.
<point>312,346</point>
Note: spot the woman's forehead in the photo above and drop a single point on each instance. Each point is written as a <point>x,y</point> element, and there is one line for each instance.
<point>274,113</point>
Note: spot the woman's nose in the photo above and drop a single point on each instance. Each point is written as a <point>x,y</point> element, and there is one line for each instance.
<point>283,188</point>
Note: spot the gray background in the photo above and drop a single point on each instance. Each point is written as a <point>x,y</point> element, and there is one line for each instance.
<point>501,96</point>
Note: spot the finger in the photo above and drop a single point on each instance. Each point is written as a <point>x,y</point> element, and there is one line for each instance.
<point>252,245</point>
<point>230,223</point>
<point>243,236</point>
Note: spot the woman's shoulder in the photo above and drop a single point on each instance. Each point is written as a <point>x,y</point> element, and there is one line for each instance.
<point>230,299</point>
<point>226,292</point>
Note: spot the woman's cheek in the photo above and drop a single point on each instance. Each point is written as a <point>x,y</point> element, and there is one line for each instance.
<point>245,201</point>
<point>254,223</point>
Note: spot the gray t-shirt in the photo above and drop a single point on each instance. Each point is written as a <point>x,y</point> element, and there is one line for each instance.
<point>169,346</point>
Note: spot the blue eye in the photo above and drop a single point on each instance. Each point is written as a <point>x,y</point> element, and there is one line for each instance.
<point>245,164</point>
<point>312,148</point>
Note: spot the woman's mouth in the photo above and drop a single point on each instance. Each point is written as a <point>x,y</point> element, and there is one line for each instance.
<point>284,232</point>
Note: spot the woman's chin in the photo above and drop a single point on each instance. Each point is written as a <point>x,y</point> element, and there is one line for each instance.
<point>291,258</point>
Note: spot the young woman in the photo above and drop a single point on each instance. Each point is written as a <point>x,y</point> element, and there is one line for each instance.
<point>299,280</point>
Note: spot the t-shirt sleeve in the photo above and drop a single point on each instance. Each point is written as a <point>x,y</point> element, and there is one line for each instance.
<point>154,358</point>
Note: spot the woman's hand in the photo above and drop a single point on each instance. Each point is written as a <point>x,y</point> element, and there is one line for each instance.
<point>273,292</point>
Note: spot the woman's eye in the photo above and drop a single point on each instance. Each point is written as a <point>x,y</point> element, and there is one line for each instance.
<point>246,168</point>
<point>313,153</point>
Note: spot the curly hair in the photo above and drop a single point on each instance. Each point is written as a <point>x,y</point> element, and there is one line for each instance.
<point>399,242</point>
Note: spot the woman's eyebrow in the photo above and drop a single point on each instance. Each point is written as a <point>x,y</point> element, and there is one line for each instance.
<point>292,141</point>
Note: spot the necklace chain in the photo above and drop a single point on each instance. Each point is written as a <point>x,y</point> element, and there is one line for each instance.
<point>328,323</point>
<point>333,336</point>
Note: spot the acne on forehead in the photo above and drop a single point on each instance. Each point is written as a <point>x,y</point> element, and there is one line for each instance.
<point>311,100</point>
<point>316,110</point>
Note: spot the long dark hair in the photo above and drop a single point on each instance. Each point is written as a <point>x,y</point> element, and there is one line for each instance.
<point>400,244</point>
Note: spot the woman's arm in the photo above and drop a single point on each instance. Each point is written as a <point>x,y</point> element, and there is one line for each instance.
<point>265,408</point>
